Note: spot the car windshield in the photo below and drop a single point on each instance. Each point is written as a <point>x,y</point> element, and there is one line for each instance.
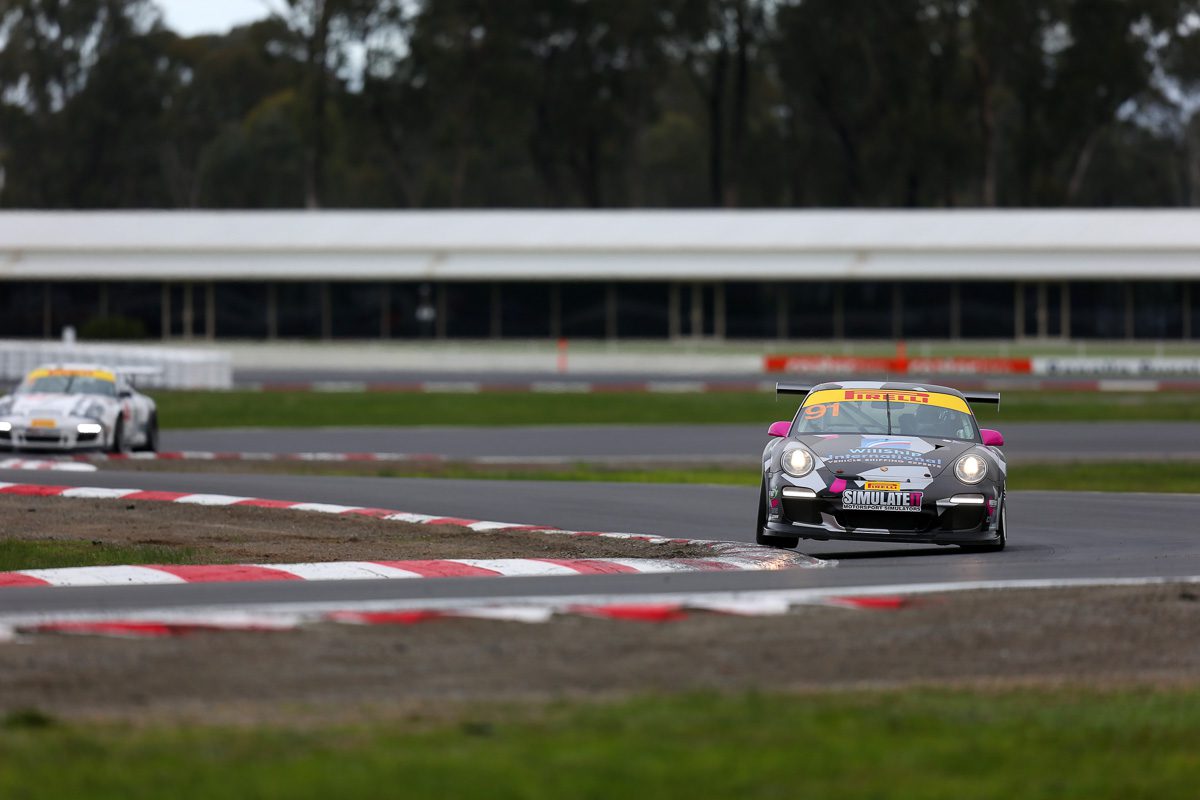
<point>68,383</point>
<point>896,413</point>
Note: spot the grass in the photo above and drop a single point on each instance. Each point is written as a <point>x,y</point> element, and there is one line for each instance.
<point>317,409</point>
<point>20,554</point>
<point>919,745</point>
<point>1176,476</point>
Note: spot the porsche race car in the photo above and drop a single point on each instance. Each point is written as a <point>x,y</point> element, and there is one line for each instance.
<point>883,462</point>
<point>68,407</point>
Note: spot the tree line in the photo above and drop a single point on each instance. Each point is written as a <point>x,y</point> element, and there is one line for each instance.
<point>604,103</point>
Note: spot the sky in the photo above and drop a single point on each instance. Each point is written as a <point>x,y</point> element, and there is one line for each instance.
<point>191,17</point>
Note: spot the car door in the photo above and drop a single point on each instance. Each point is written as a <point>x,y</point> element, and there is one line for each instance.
<point>132,420</point>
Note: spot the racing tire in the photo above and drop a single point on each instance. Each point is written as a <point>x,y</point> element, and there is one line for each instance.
<point>785,542</point>
<point>999,544</point>
<point>118,441</point>
<point>151,443</point>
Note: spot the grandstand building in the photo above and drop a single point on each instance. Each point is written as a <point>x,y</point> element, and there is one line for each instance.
<point>938,275</point>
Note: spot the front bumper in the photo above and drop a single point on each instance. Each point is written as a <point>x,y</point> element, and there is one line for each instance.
<point>63,438</point>
<point>938,522</point>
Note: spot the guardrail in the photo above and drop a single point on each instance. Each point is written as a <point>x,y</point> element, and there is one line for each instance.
<point>173,368</point>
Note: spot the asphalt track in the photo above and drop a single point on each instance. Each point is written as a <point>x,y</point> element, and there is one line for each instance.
<point>1025,441</point>
<point>1053,535</point>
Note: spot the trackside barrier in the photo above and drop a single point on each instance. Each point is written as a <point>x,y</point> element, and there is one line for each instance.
<point>953,365</point>
<point>898,365</point>
<point>1126,367</point>
<point>167,368</point>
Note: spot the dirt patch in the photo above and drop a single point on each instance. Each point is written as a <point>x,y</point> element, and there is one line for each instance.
<point>1109,636</point>
<point>229,534</point>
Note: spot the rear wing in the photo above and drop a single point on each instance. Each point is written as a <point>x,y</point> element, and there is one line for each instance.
<point>970,397</point>
<point>792,388</point>
<point>133,373</point>
<point>983,397</point>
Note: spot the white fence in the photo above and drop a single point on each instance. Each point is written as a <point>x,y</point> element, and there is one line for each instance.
<point>165,367</point>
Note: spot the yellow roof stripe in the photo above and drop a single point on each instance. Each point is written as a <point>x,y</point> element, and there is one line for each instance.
<point>937,399</point>
<point>99,374</point>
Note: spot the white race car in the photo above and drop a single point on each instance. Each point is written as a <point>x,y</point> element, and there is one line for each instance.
<point>67,407</point>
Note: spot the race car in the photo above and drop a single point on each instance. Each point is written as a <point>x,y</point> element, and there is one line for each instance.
<point>883,462</point>
<point>68,407</point>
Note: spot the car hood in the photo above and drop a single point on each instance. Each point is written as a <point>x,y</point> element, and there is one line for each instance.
<point>49,405</point>
<point>853,454</point>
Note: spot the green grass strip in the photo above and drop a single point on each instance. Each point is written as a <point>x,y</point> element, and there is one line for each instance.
<point>310,409</point>
<point>1171,477</point>
<point>919,745</point>
<point>18,554</point>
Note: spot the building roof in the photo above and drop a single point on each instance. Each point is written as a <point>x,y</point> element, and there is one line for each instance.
<point>605,245</point>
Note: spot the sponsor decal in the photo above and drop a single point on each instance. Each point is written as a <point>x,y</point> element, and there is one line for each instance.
<point>883,486</point>
<point>865,395</point>
<point>888,442</point>
<point>43,423</point>
<point>877,454</point>
<point>867,500</point>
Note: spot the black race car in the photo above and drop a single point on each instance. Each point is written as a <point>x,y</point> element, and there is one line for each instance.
<point>883,462</point>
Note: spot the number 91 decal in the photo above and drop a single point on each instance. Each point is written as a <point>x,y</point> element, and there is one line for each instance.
<point>819,410</point>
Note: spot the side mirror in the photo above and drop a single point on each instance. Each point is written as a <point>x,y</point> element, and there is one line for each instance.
<point>779,429</point>
<point>991,438</point>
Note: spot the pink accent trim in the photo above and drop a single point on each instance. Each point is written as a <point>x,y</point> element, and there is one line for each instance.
<point>992,438</point>
<point>779,429</point>
<point>838,486</point>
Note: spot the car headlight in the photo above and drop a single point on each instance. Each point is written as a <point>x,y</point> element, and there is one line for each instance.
<point>798,462</point>
<point>5,427</point>
<point>970,468</point>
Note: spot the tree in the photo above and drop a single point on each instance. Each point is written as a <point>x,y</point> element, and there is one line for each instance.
<point>51,50</point>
